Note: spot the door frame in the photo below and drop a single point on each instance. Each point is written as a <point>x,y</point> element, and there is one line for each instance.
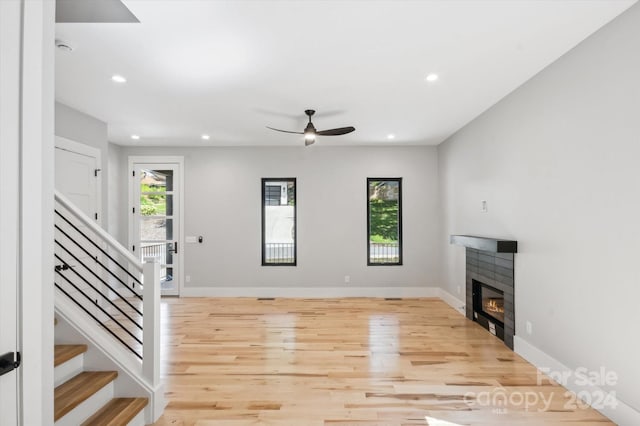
<point>27,129</point>
<point>88,151</point>
<point>137,160</point>
<point>10,215</point>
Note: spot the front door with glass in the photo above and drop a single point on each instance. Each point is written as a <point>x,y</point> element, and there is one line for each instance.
<point>156,220</point>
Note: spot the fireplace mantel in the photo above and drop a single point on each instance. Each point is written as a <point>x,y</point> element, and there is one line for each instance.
<point>492,245</point>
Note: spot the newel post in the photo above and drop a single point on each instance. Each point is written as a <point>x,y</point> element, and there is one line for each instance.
<point>151,321</point>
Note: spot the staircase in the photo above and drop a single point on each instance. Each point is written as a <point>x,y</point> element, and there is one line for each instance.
<point>87,397</point>
<point>107,327</point>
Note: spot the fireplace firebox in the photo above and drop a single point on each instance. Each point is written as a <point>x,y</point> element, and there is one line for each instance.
<point>488,307</point>
<point>489,296</point>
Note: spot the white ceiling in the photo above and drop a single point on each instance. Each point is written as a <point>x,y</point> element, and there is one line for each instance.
<point>230,68</point>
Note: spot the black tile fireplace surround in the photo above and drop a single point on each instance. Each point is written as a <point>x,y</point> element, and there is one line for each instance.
<point>489,271</point>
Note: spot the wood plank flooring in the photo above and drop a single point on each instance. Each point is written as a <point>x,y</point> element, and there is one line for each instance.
<point>347,362</point>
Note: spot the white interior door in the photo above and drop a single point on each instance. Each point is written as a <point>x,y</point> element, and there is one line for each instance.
<point>77,177</point>
<point>9,194</point>
<point>156,219</point>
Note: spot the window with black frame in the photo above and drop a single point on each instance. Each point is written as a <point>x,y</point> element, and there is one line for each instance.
<point>279,222</point>
<point>384,221</point>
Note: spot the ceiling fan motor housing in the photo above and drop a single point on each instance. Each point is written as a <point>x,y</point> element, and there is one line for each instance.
<point>310,128</point>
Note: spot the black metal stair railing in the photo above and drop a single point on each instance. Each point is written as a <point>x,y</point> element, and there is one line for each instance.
<point>96,282</point>
<point>110,296</point>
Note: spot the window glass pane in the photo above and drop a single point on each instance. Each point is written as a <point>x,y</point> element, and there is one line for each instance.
<point>279,221</point>
<point>384,210</point>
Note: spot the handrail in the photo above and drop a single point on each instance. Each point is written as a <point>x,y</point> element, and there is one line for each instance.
<point>104,235</point>
<point>88,293</point>
<point>97,246</point>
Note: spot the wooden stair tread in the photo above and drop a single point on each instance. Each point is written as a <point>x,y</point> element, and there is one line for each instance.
<point>118,411</point>
<point>63,353</point>
<point>76,390</point>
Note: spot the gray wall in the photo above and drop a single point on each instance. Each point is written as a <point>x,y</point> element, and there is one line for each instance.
<point>82,128</point>
<point>557,161</point>
<point>222,203</point>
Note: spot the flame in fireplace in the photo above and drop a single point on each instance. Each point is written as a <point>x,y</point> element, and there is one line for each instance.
<point>494,305</point>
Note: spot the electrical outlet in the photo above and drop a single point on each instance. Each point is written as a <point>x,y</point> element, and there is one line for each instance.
<point>187,278</point>
<point>483,206</point>
<point>458,289</point>
<point>347,279</point>
<point>529,327</point>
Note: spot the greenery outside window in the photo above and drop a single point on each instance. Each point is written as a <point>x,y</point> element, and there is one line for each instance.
<point>279,222</point>
<point>384,221</point>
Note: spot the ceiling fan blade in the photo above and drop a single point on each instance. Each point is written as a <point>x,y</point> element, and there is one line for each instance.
<point>284,131</point>
<point>336,132</point>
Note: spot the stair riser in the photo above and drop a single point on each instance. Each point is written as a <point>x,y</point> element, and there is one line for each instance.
<point>88,407</point>
<point>67,370</point>
<point>137,420</point>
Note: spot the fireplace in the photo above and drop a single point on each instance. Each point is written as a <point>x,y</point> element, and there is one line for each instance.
<point>490,284</point>
<point>488,307</point>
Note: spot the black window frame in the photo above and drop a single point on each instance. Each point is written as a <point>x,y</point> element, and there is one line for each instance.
<point>263,184</point>
<point>400,239</point>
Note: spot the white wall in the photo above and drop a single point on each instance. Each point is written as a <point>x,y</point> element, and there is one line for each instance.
<point>557,161</point>
<point>82,128</point>
<point>222,203</point>
<point>116,194</point>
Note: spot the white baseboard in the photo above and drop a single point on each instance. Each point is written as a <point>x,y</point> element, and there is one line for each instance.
<point>452,301</point>
<point>310,292</point>
<point>619,412</point>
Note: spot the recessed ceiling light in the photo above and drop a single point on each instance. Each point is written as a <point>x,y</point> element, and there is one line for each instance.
<point>135,137</point>
<point>432,77</point>
<point>205,137</point>
<point>391,136</point>
<point>118,78</point>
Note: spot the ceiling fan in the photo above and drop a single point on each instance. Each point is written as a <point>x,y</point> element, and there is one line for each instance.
<point>310,131</point>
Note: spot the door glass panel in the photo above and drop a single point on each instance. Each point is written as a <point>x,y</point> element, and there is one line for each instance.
<point>166,278</point>
<point>168,250</point>
<point>157,220</point>
<point>153,204</point>
<point>168,209</point>
<point>156,229</point>
<point>156,250</point>
<point>156,180</point>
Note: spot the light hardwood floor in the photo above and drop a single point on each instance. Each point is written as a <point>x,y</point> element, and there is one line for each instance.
<point>347,362</point>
